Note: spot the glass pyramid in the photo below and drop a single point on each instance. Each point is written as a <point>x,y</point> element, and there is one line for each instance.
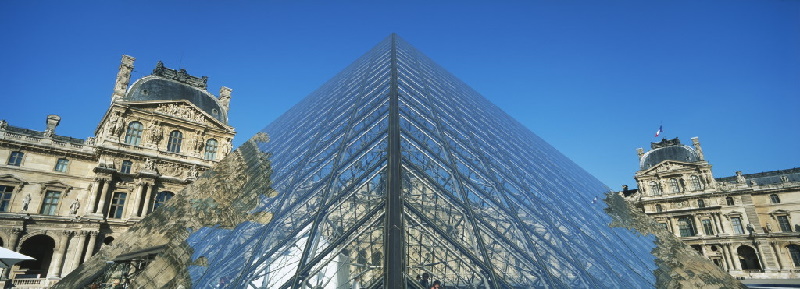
<point>394,170</point>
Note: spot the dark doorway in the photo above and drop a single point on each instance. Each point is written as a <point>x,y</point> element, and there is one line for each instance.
<point>748,257</point>
<point>40,247</point>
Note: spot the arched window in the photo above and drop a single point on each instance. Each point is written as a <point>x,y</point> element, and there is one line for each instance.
<point>134,134</point>
<point>15,159</point>
<point>748,258</point>
<point>701,203</point>
<point>61,165</point>
<point>673,184</point>
<point>794,251</point>
<point>775,199</point>
<point>174,144</point>
<point>729,201</point>
<point>659,209</point>
<point>655,188</point>
<point>161,198</point>
<point>211,150</point>
<point>696,184</point>
<point>126,167</point>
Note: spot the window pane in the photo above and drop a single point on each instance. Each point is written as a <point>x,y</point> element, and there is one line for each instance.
<point>5,198</point>
<point>15,159</point>
<point>161,198</point>
<point>117,205</point>
<point>686,226</point>
<point>707,228</point>
<point>134,133</point>
<point>174,144</point>
<point>736,222</point>
<point>211,150</point>
<point>794,250</point>
<point>50,203</point>
<point>126,167</point>
<point>61,165</point>
<point>783,221</point>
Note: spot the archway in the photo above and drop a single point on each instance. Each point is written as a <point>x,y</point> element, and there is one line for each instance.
<point>40,247</point>
<point>748,258</point>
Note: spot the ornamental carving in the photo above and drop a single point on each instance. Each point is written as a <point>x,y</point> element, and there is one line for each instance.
<point>180,75</point>
<point>155,133</point>
<point>180,111</point>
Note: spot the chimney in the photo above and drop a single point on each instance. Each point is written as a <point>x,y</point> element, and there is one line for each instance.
<point>123,77</point>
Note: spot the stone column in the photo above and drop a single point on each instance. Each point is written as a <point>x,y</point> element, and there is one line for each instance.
<point>90,246</point>
<point>15,234</point>
<point>147,197</point>
<point>75,259</point>
<point>12,245</point>
<point>93,195</point>
<point>58,257</point>
<point>133,209</point>
<point>777,251</point>
<point>698,225</point>
<point>734,259</point>
<point>717,223</point>
<point>101,206</point>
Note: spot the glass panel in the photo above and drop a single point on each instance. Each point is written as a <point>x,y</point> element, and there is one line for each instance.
<point>485,203</point>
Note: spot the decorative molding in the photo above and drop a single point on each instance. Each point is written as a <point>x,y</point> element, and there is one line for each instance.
<point>55,186</point>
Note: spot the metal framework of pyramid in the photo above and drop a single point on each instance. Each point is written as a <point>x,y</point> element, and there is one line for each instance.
<point>395,168</point>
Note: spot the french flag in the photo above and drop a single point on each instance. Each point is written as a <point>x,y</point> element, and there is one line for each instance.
<point>660,130</point>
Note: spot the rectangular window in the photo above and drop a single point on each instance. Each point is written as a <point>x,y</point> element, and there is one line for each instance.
<point>126,167</point>
<point>117,205</point>
<point>736,222</point>
<point>15,159</point>
<point>707,227</point>
<point>783,221</point>
<point>686,226</point>
<point>5,198</point>
<point>61,165</point>
<point>50,203</point>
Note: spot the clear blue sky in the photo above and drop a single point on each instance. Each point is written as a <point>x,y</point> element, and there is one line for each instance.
<point>593,78</point>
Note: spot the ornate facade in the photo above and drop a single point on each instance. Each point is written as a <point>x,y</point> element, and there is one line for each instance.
<point>63,198</point>
<point>746,224</point>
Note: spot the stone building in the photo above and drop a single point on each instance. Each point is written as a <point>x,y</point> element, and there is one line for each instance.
<point>746,224</point>
<point>63,198</point>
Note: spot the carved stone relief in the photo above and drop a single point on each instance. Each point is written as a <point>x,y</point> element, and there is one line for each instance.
<point>181,111</point>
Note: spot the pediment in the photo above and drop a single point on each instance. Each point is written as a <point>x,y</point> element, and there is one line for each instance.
<point>182,109</point>
<point>670,166</point>
<point>9,179</point>
<point>56,185</point>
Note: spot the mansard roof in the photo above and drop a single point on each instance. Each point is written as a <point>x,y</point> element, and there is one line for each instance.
<point>767,178</point>
<point>671,149</point>
<point>170,84</point>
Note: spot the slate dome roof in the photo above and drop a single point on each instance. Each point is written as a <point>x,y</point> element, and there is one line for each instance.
<point>674,151</point>
<point>169,84</point>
